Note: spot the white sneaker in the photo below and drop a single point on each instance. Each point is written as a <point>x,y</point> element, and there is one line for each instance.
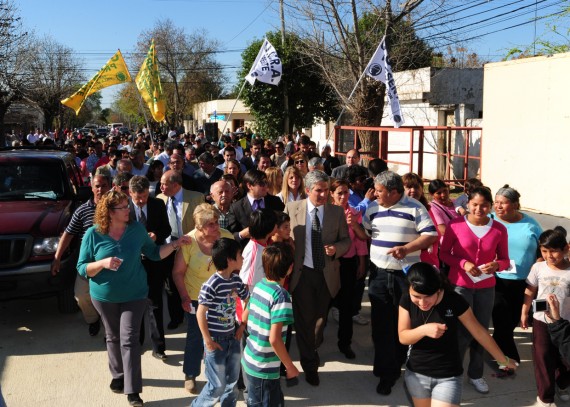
<point>480,385</point>
<point>334,313</point>
<point>541,403</point>
<point>360,320</point>
<point>562,394</point>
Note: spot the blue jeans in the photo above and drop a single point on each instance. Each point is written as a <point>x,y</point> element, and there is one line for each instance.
<point>264,392</point>
<point>194,348</point>
<point>222,371</point>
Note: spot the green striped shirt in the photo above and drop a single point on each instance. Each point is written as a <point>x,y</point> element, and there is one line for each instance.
<point>269,304</point>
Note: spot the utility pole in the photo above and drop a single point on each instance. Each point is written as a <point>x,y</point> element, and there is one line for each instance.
<point>284,79</point>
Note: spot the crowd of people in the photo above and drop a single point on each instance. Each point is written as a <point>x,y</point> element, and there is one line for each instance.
<point>252,240</point>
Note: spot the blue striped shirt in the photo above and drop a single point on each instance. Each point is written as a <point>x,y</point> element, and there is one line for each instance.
<point>397,225</point>
<point>219,295</point>
<point>269,304</point>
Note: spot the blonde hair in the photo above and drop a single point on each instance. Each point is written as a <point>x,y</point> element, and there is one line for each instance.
<point>273,174</point>
<point>285,187</point>
<point>203,214</point>
<point>102,213</point>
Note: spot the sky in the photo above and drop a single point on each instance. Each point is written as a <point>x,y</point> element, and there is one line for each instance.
<point>96,29</point>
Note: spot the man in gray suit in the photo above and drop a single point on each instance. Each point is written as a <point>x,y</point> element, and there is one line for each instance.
<point>321,237</point>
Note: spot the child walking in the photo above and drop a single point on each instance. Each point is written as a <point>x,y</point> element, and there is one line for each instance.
<point>217,322</point>
<point>552,276</point>
<point>268,315</point>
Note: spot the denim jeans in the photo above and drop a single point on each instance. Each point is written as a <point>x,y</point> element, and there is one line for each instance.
<point>194,348</point>
<point>264,392</point>
<point>222,372</point>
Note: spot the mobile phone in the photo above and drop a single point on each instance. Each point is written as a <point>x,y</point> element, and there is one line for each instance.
<point>539,305</point>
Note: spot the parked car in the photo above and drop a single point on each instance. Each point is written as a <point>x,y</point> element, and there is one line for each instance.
<point>102,132</point>
<point>39,191</point>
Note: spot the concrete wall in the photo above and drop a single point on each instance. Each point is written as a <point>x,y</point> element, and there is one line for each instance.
<point>203,111</point>
<point>527,130</point>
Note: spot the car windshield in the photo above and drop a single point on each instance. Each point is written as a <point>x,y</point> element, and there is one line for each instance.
<point>24,181</point>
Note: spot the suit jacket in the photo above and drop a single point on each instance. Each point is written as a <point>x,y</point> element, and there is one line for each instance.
<point>248,163</point>
<point>240,212</point>
<point>334,231</point>
<point>190,200</point>
<point>156,219</point>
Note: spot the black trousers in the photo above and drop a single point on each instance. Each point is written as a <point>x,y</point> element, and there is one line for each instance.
<point>509,297</point>
<point>345,299</point>
<point>155,277</point>
<point>311,300</point>
<point>174,302</point>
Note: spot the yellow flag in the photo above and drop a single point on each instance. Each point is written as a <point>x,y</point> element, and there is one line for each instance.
<point>114,72</point>
<point>148,84</point>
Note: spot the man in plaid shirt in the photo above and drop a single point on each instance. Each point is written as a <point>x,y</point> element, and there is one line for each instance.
<point>221,192</point>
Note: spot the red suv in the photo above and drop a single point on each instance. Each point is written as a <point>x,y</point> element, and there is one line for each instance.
<point>39,191</point>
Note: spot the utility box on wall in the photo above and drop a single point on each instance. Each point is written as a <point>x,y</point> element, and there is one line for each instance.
<point>527,130</point>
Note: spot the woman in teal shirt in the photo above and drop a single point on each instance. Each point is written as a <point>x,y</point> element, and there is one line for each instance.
<point>523,232</point>
<point>110,258</point>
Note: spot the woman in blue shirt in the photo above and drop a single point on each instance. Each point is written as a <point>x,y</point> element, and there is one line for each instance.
<point>110,258</point>
<point>523,232</point>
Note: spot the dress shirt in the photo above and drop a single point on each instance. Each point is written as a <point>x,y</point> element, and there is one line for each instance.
<point>308,262</point>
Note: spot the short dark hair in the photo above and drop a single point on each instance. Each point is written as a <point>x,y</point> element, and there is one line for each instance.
<point>206,158</point>
<point>305,140</point>
<point>230,149</point>
<point>254,177</point>
<point>356,171</point>
<point>376,166</point>
<point>282,217</point>
<point>261,223</point>
<point>224,249</point>
<point>553,238</point>
<point>425,279</point>
<point>277,259</point>
<point>435,185</point>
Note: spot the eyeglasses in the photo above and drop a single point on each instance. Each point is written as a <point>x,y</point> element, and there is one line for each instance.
<point>300,162</point>
<point>121,207</point>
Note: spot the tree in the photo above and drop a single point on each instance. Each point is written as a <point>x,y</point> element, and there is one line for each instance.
<point>340,37</point>
<point>309,97</point>
<point>54,74</point>
<point>188,70</point>
<point>14,59</point>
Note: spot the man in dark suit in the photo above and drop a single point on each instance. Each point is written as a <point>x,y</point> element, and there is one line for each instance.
<point>321,237</point>
<point>180,205</point>
<point>151,212</point>
<point>256,150</point>
<point>256,198</point>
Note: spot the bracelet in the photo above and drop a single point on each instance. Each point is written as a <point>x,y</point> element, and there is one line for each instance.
<point>505,364</point>
<point>174,247</point>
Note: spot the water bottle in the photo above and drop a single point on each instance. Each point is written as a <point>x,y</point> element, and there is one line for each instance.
<point>405,265</point>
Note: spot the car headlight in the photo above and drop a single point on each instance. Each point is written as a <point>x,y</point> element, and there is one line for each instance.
<point>47,245</point>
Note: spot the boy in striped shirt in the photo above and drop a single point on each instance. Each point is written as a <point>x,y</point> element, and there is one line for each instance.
<point>217,321</point>
<point>268,315</point>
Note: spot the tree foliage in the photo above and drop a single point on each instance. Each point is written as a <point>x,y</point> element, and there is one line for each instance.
<point>309,97</point>
<point>341,36</point>
<point>188,69</point>
<point>55,72</point>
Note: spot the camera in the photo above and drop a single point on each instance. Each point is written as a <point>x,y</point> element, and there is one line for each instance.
<point>539,305</point>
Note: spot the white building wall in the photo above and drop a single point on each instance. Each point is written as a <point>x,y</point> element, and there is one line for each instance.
<point>527,130</point>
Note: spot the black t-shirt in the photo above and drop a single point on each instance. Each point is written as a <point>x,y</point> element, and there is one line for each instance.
<point>436,357</point>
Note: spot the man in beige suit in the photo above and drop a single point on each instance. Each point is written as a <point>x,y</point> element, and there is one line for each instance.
<point>180,205</point>
<point>321,237</point>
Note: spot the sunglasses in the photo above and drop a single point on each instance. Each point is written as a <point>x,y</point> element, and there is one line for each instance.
<point>300,162</point>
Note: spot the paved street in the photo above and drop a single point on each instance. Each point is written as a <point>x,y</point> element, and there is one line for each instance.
<point>48,359</point>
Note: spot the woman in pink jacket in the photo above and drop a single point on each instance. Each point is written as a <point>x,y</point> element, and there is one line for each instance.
<point>475,247</point>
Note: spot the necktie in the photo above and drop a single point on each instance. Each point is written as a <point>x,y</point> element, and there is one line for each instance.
<point>173,219</point>
<point>257,204</point>
<point>317,245</point>
<point>142,218</point>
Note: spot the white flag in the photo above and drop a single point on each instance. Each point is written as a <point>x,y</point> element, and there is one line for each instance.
<point>267,67</point>
<point>379,68</point>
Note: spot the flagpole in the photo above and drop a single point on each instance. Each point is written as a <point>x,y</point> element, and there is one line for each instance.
<point>141,107</point>
<point>234,106</point>
<point>345,104</point>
